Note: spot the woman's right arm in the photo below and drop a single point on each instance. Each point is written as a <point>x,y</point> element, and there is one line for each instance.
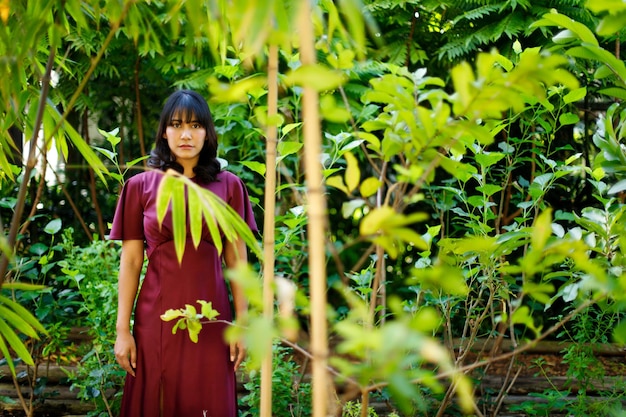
<point>131,262</point>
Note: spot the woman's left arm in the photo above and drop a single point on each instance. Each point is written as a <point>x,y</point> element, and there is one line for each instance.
<point>234,254</point>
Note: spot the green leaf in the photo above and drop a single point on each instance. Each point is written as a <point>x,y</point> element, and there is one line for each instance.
<point>540,292</point>
<point>523,316</point>
<point>596,53</point>
<point>289,127</point>
<point>255,166</point>
<point>137,160</point>
<point>318,77</point>
<point>172,314</point>
<point>285,148</point>
<point>612,23</point>
<point>489,189</point>
<point>207,310</point>
<point>616,92</point>
<point>369,187</point>
<point>7,355</point>
<point>575,95</point>
<point>15,343</point>
<point>542,229</point>
<point>53,226</point>
<point>568,118</point>
<point>556,19</point>
<point>488,159</point>
<point>17,322</point>
<point>618,187</point>
<point>18,308</point>
<point>83,147</point>
<point>194,327</point>
<point>337,182</point>
<point>196,218</point>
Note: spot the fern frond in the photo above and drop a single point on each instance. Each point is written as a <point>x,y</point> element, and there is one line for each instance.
<point>478,13</point>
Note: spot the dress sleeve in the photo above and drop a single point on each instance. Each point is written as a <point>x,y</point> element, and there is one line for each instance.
<point>128,218</point>
<point>239,200</point>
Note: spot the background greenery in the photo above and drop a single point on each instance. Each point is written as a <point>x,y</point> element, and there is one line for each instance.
<point>472,154</point>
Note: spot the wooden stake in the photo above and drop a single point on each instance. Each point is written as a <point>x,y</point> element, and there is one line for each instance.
<point>268,225</point>
<point>316,208</point>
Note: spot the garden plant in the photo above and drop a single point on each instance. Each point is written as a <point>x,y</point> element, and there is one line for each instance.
<point>424,202</point>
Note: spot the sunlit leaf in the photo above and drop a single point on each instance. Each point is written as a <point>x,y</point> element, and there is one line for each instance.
<point>318,77</point>
<point>353,172</point>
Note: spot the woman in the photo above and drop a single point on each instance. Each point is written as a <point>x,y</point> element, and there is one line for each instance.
<point>168,375</point>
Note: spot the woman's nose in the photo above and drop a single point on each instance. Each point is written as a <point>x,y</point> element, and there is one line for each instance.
<point>186,133</point>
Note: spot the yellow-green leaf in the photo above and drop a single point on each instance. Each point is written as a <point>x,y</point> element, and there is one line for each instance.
<point>353,172</point>
<point>316,76</point>
<point>369,186</point>
<point>542,229</point>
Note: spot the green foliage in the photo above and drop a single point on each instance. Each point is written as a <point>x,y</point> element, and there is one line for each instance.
<point>291,394</point>
<point>204,208</point>
<point>91,274</point>
<point>16,319</point>
<point>524,214</point>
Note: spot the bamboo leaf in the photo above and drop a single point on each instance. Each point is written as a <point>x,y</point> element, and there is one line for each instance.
<point>179,218</point>
<point>85,150</point>
<point>195,218</point>
<point>17,322</point>
<point>14,342</point>
<point>171,192</point>
<point>19,309</point>
<point>7,355</point>
<point>214,230</point>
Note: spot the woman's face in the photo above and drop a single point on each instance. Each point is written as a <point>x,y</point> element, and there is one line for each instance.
<point>185,139</point>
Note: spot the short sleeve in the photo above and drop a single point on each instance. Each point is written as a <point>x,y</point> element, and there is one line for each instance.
<point>239,200</point>
<point>128,218</point>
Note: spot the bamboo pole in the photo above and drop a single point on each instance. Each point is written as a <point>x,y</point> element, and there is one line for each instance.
<point>316,228</point>
<point>268,225</point>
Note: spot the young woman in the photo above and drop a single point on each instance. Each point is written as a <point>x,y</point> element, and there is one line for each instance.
<point>168,375</point>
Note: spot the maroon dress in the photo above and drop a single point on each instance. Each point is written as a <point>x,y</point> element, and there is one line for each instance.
<point>176,377</point>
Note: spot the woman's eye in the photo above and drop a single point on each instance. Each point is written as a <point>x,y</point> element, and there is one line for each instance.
<point>175,124</point>
<point>197,125</point>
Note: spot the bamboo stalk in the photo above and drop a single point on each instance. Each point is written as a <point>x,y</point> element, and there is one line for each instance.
<point>268,225</point>
<point>316,228</point>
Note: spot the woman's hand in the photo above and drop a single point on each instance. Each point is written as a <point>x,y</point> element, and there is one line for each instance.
<point>126,352</point>
<point>237,353</point>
